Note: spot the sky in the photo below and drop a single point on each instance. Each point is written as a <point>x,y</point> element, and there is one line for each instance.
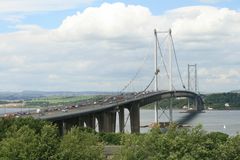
<point>95,45</point>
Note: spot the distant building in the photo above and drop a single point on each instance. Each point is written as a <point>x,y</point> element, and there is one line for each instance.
<point>226,105</point>
<point>184,107</point>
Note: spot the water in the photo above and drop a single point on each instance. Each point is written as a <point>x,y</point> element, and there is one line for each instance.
<point>226,121</point>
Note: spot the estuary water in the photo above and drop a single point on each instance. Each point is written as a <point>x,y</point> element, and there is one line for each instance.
<point>226,121</point>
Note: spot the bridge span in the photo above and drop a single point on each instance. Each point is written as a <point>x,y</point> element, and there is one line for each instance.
<point>102,116</point>
<point>105,114</point>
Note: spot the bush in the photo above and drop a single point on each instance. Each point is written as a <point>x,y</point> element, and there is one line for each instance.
<point>25,144</point>
<point>34,124</point>
<point>179,143</point>
<point>77,145</point>
<point>110,138</point>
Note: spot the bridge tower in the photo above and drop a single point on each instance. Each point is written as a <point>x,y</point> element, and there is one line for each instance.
<point>192,79</point>
<point>157,71</point>
<point>170,48</point>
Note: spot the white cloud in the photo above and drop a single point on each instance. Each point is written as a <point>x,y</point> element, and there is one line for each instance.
<point>216,77</point>
<point>101,48</point>
<point>110,21</point>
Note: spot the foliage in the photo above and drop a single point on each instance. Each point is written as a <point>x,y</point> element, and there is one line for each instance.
<point>110,138</point>
<point>59,100</point>
<point>77,144</point>
<point>48,142</point>
<point>179,143</point>
<point>218,100</point>
<point>7,123</point>
<point>29,139</point>
<point>87,129</point>
<point>4,102</point>
<point>231,150</point>
<point>19,144</point>
<point>24,143</point>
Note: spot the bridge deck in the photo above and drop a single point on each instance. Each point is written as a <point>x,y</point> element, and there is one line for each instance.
<point>140,99</point>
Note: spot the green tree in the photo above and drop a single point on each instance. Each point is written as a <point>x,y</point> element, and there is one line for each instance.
<point>176,143</point>
<point>110,138</point>
<point>77,144</point>
<point>48,142</point>
<point>231,149</point>
<point>7,123</point>
<point>24,142</point>
<point>19,144</point>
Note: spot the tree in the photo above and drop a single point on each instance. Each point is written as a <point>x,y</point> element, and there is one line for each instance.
<point>23,142</point>
<point>7,123</point>
<point>19,144</point>
<point>231,149</point>
<point>48,142</point>
<point>179,143</point>
<point>77,144</point>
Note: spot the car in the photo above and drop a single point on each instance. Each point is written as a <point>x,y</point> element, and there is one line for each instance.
<point>64,110</point>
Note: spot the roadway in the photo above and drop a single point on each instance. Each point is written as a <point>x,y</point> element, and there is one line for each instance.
<point>108,103</point>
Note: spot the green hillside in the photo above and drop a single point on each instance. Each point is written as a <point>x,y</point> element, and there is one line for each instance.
<point>59,100</point>
<point>218,100</point>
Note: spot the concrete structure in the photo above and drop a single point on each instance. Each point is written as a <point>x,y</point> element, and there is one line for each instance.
<point>105,115</point>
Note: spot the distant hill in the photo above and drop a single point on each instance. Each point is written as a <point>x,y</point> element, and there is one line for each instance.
<point>218,100</point>
<point>28,95</point>
<point>236,91</point>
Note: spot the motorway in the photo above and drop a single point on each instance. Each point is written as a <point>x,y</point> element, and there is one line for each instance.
<point>84,107</point>
<point>107,103</point>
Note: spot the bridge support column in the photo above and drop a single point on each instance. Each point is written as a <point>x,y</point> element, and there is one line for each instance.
<point>64,128</point>
<point>90,121</point>
<point>198,104</point>
<point>66,125</point>
<point>81,121</point>
<point>107,121</point>
<point>121,119</point>
<point>61,125</point>
<point>111,121</point>
<point>135,118</point>
<point>99,117</point>
<point>69,123</point>
<point>195,103</point>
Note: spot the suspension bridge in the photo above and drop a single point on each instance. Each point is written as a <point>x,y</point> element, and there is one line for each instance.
<point>102,115</point>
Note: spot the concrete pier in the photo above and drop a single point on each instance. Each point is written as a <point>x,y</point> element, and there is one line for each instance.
<point>107,121</point>
<point>134,112</point>
<point>89,121</point>
<point>121,119</point>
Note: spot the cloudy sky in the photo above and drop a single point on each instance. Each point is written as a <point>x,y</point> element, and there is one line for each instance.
<point>95,45</point>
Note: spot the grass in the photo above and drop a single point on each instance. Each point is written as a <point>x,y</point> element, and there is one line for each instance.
<point>59,100</point>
